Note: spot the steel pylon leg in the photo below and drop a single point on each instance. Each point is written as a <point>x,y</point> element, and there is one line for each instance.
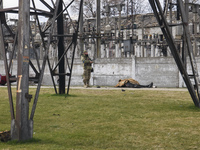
<point>156,6</point>
<point>24,39</point>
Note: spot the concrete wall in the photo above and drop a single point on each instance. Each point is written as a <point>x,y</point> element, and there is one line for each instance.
<point>162,71</point>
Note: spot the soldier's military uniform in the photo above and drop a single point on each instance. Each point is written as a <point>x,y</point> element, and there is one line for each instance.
<point>87,66</point>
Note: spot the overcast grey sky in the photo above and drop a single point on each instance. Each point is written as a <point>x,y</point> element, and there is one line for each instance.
<point>14,3</point>
<point>10,3</point>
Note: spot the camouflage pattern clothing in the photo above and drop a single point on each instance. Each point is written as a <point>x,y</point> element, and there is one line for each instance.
<point>122,83</point>
<point>87,66</point>
<point>131,83</point>
<point>5,136</point>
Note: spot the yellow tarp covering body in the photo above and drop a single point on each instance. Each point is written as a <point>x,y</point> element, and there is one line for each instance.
<point>122,83</point>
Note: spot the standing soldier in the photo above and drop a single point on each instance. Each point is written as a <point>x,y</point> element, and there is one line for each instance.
<point>87,66</point>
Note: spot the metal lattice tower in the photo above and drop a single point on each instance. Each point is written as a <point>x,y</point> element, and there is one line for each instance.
<point>165,26</point>
<point>23,43</point>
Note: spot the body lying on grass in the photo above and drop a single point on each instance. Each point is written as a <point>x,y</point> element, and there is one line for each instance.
<point>131,83</point>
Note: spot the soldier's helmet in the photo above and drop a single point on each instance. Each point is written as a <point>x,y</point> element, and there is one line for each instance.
<point>85,51</point>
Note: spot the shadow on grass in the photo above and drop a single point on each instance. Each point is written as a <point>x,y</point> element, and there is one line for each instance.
<point>16,142</point>
<point>64,95</point>
<point>193,107</point>
<point>185,107</point>
<point>31,142</point>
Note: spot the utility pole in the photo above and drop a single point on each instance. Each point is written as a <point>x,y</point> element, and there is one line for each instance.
<point>119,27</point>
<point>22,128</point>
<point>184,49</point>
<point>81,31</point>
<point>132,28</point>
<point>170,14</point>
<point>1,7</point>
<point>195,18</point>
<point>98,30</point>
<point>60,30</point>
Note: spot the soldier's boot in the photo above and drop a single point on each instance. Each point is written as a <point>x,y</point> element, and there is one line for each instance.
<point>87,84</point>
<point>150,85</point>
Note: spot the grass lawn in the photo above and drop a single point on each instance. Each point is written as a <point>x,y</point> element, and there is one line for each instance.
<point>109,119</point>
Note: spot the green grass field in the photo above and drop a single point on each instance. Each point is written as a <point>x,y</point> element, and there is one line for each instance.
<point>109,119</point>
